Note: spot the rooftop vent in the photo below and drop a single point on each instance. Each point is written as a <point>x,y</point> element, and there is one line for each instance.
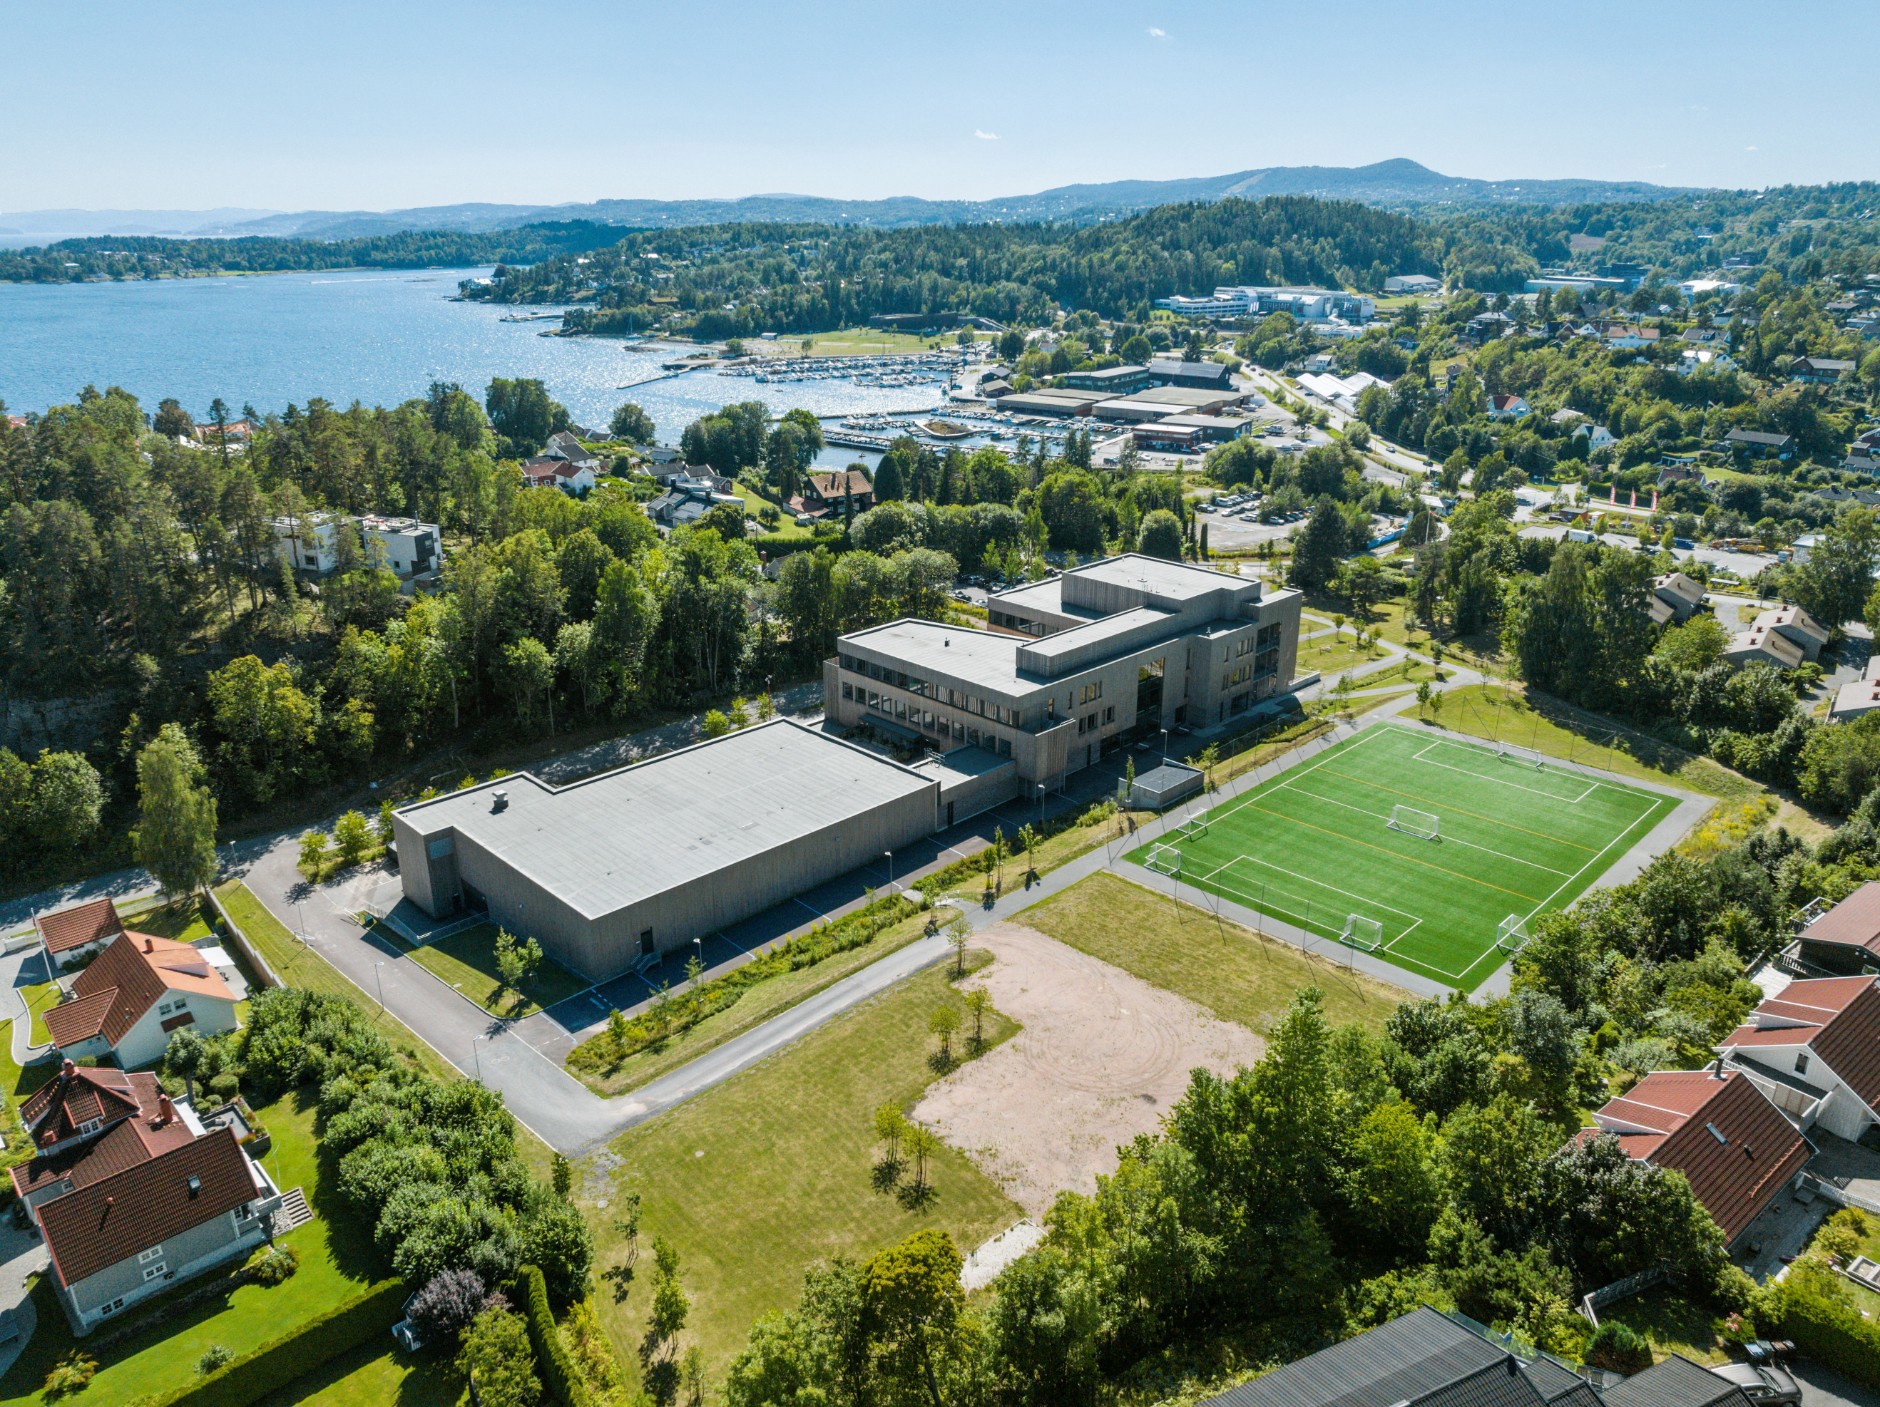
<point>195,1185</point>
<point>499,801</point>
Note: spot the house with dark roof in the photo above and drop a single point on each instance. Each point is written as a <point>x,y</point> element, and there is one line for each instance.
<point>1814,1049</point>
<point>825,489</point>
<point>134,994</point>
<point>131,1191</point>
<point>1675,597</point>
<point>548,471</point>
<point>75,935</point>
<point>1430,1359</point>
<point>1758,444</point>
<point>564,446</point>
<point>1846,938</point>
<point>1819,371</point>
<point>1735,1148</point>
<point>1199,376</point>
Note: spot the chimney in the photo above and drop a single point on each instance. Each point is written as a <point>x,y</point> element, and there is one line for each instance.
<point>499,800</point>
<point>67,1069</point>
<point>150,944</point>
<point>166,1111</point>
<point>1716,1070</point>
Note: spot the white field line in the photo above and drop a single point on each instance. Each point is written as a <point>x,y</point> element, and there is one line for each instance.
<point>1292,774</point>
<point>1500,781</point>
<point>1649,810</point>
<point>1446,838</point>
<point>1364,899</point>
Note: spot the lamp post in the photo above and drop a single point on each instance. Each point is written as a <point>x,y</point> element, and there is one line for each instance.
<point>890,855</point>
<point>378,976</point>
<point>1165,746</point>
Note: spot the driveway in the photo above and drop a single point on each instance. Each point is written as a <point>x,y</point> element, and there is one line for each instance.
<point>22,1256</point>
<point>1823,1387</point>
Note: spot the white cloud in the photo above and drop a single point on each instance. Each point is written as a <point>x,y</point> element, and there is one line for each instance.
<point>1749,148</point>
<point>1155,33</point>
<point>985,136</point>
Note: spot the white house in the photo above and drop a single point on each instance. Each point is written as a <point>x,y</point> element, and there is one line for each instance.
<point>1812,1049</point>
<point>1502,407</point>
<point>81,932</point>
<point>1597,437</point>
<point>1695,359</point>
<point>404,546</point>
<point>547,471</point>
<point>133,995</point>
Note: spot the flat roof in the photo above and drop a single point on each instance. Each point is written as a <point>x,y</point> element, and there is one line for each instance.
<point>1080,637</point>
<point>615,839</point>
<point>976,656</point>
<point>1048,595</point>
<point>1161,576</point>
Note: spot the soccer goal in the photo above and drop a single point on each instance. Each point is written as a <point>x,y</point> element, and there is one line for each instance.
<point>1165,859</point>
<point>1520,756</point>
<point>1422,824</point>
<point>1362,932</point>
<point>1511,934</point>
<point>1191,828</point>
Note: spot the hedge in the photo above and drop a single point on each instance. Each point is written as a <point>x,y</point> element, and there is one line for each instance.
<point>286,1360</point>
<point>559,1375</point>
<point>1831,1332</point>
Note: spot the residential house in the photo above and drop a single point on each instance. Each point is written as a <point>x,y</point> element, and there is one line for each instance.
<point>1504,407</point>
<point>1802,630</point>
<point>234,433</point>
<point>1675,597</point>
<point>547,471</point>
<point>1597,437</point>
<point>1735,1148</point>
<point>824,492</point>
<point>564,445</point>
<point>1859,696</point>
<point>132,1192</point>
<point>1678,469</point>
<point>1622,336</point>
<point>993,387</point>
<point>1814,1049</point>
<point>1487,327</point>
<point>1860,462</point>
<point>1846,939</point>
<point>1696,288</point>
<point>687,500</point>
<point>1695,359</point>
<point>1427,1358</point>
<point>134,994</point>
<point>1199,376</point>
<point>1819,371</point>
<point>404,546</point>
<point>75,935</point>
<point>1758,444</point>
<point>658,455</point>
<point>1760,645</point>
<point>1705,336</point>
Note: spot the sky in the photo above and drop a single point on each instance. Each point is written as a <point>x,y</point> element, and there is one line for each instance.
<point>185,104</point>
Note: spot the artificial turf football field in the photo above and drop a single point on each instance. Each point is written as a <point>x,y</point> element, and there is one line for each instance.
<point>1312,846</point>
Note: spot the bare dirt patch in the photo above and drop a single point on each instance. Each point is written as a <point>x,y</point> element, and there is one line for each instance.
<point>1102,1057</point>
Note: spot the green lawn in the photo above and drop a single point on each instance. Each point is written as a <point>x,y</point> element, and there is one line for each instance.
<point>1329,653</point>
<point>376,1374</point>
<point>589,1061</point>
<point>467,961</point>
<point>38,997</point>
<point>760,1177</point>
<point>336,1263</point>
<point>1560,730</point>
<point>1312,846</point>
<point>786,529</point>
<point>1673,1323</point>
<point>1230,970</point>
<point>184,921</point>
<point>853,342</point>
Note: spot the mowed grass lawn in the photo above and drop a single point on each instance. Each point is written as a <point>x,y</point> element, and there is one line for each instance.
<point>467,961</point>
<point>1230,970</point>
<point>336,1263</point>
<point>759,1178</point>
<point>1312,846</point>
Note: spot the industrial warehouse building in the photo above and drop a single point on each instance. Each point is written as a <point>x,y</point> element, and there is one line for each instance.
<point>1075,666</point>
<point>637,862</point>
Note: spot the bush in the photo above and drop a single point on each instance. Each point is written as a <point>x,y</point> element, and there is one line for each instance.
<point>225,1086</point>
<point>565,1385</point>
<point>214,1356</point>
<point>279,1362</point>
<point>72,1373</point>
<point>1619,1348</point>
<point>447,1304</point>
<point>1813,1309</point>
<point>495,1358</point>
<point>273,1265</point>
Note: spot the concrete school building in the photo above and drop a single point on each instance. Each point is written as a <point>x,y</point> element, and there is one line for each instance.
<point>618,868</point>
<point>1075,665</point>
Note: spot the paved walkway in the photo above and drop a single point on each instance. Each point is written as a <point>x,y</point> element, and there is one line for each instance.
<point>22,1256</point>
<point>14,975</point>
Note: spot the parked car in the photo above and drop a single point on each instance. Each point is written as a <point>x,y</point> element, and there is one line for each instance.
<point>1765,1384</point>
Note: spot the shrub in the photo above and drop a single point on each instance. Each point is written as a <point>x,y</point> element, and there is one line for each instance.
<point>564,1383</point>
<point>225,1086</point>
<point>273,1265</point>
<point>495,1356</point>
<point>247,1379</point>
<point>1813,1309</point>
<point>447,1304</point>
<point>72,1373</point>
<point>1617,1347</point>
<point>214,1356</point>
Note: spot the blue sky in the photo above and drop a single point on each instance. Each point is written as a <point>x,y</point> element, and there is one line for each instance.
<point>289,105</point>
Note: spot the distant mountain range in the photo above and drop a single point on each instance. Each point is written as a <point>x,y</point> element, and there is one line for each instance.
<point>1399,183</point>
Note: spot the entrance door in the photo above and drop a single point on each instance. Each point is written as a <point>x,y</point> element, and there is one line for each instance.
<point>646,942</point>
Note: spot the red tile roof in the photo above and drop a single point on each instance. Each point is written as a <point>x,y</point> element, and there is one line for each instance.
<point>1854,922</point>
<point>123,982</point>
<point>78,925</point>
<point>1736,1148</point>
<point>138,1126</point>
<point>1838,1018</point>
<point>93,1227</point>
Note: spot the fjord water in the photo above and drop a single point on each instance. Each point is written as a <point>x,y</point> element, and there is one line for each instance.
<point>377,337</point>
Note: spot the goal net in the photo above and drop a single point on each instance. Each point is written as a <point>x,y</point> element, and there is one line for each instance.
<point>1362,932</point>
<point>1520,756</point>
<point>1409,820</point>
<point>1192,827</point>
<point>1511,934</point>
<point>1165,859</point>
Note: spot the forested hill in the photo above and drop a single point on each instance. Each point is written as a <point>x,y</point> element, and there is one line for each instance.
<point>152,256</point>
<point>792,278</point>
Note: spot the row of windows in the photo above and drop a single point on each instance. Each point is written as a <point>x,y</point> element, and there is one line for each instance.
<point>1012,622</point>
<point>1089,724</point>
<point>927,721</point>
<point>1237,676</point>
<point>940,693</point>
